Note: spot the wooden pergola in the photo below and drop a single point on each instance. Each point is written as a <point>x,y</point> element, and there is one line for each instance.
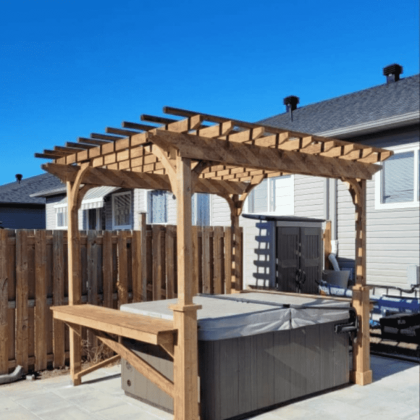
<point>206,154</point>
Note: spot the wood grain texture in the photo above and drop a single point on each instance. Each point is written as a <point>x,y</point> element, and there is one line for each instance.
<point>4,291</point>
<point>22,316</point>
<point>112,321</point>
<point>58,297</point>
<point>41,310</point>
<point>122,268</point>
<point>107,269</point>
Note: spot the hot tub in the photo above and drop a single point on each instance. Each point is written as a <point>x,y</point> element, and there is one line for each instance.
<point>255,351</point>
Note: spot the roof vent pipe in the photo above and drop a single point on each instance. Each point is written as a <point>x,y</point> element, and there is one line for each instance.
<point>291,104</point>
<point>392,73</point>
<point>18,177</point>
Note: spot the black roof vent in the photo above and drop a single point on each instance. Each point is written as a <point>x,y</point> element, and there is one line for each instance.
<point>291,103</point>
<point>18,177</point>
<point>392,72</point>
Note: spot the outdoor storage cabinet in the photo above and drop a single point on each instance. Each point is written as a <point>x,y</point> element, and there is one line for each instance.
<point>255,352</point>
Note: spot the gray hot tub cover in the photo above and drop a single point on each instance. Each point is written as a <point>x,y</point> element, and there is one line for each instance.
<point>239,315</point>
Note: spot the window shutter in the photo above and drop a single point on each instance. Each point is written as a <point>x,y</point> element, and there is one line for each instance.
<point>398,178</point>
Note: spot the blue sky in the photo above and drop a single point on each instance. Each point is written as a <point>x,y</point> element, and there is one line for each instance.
<point>70,68</point>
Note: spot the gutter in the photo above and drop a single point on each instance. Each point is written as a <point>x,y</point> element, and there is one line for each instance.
<point>374,126</point>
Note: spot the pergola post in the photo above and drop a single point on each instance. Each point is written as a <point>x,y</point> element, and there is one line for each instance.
<point>236,253</point>
<point>361,373</point>
<point>74,201</point>
<point>185,312</point>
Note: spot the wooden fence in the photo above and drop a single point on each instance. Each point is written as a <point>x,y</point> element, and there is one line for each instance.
<point>117,268</point>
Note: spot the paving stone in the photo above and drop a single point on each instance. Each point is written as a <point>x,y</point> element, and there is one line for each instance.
<point>20,414</point>
<point>43,403</point>
<point>69,413</point>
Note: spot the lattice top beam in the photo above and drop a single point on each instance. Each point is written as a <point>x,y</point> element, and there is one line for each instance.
<point>258,149</point>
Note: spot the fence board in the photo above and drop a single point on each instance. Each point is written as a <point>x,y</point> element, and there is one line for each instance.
<point>170,262</point>
<point>92,279</point>
<point>157,263</point>
<point>41,309</point>
<point>195,261</point>
<point>217,260</point>
<point>228,260</point>
<point>4,292</point>
<point>122,268</point>
<point>206,260</point>
<point>107,259</point>
<point>116,267</point>
<point>136,265</point>
<point>58,297</point>
<point>22,316</point>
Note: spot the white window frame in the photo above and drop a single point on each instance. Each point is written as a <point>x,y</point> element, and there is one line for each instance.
<point>148,209</point>
<point>379,205</point>
<point>56,217</point>
<point>270,201</point>
<point>122,227</point>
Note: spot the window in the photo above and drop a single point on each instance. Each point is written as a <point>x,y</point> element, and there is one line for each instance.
<point>397,184</point>
<point>121,211</point>
<point>201,209</point>
<point>94,219</point>
<point>157,207</point>
<point>61,217</point>
<point>274,196</point>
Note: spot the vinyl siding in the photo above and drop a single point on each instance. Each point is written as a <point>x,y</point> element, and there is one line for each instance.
<point>309,196</point>
<point>219,211</point>
<point>392,235</point>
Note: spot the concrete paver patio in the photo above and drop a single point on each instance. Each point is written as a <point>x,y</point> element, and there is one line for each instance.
<point>393,395</point>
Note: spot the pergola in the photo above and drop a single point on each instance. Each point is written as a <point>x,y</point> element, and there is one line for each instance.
<point>207,154</point>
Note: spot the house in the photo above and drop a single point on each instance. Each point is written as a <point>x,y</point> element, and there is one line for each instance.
<point>385,116</point>
<point>18,209</point>
<point>111,208</point>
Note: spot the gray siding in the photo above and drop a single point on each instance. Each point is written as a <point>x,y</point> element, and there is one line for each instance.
<point>392,235</point>
<point>309,196</point>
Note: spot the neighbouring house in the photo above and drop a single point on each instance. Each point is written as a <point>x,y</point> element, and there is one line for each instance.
<point>385,116</point>
<point>111,208</point>
<point>18,209</point>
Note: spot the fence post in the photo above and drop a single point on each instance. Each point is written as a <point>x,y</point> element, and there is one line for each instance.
<point>4,296</point>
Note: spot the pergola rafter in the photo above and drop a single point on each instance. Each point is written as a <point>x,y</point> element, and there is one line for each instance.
<point>208,154</point>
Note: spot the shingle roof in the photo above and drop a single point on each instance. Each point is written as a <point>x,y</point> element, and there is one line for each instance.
<point>20,193</point>
<point>365,106</point>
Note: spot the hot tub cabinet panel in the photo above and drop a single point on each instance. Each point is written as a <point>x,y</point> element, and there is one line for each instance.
<point>245,374</point>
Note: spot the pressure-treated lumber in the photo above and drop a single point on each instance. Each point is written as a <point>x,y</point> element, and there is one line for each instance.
<point>361,374</point>
<point>139,364</point>
<point>4,290</point>
<point>257,157</point>
<point>112,321</point>
<point>99,365</point>
<point>185,312</point>
<point>127,179</point>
